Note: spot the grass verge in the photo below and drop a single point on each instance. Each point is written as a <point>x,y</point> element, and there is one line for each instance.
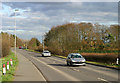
<point>105,64</point>
<point>9,74</point>
<point>32,50</point>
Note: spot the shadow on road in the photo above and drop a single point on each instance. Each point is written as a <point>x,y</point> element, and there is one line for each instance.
<point>40,56</point>
<point>63,65</point>
<point>37,56</point>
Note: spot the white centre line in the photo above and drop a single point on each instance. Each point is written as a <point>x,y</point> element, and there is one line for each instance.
<point>103,80</point>
<point>102,72</point>
<point>59,71</point>
<point>76,70</point>
<point>57,60</point>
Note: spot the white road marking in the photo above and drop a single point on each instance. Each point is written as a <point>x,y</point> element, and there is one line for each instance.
<point>65,63</point>
<point>102,72</point>
<point>59,71</point>
<point>64,67</point>
<point>40,74</point>
<point>76,70</point>
<point>98,71</point>
<point>43,79</point>
<point>56,59</point>
<point>48,59</point>
<point>103,80</point>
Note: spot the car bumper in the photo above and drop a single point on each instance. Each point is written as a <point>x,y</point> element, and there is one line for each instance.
<point>78,63</point>
<point>46,55</point>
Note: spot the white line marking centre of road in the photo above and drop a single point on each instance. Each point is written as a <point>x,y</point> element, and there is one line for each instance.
<point>103,80</point>
<point>102,72</point>
<point>56,59</point>
<point>61,72</point>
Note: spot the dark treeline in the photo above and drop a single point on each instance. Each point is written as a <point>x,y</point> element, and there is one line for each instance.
<point>6,42</point>
<point>73,37</point>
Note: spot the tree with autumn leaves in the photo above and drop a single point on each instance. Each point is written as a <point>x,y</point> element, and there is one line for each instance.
<point>33,44</point>
<point>6,42</point>
<point>73,37</point>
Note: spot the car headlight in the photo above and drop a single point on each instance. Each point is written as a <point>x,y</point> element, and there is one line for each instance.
<point>83,60</point>
<point>73,61</point>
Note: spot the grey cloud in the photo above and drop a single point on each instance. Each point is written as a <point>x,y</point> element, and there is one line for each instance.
<point>42,16</point>
<point>13,14</point>
<point>52,9</point>
<point>100,6</point>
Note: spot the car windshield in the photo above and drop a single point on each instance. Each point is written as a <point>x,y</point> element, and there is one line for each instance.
<point>76,56</point>
<point>46,52</point>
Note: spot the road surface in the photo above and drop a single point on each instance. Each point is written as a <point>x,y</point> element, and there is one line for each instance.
<point>54,69</point>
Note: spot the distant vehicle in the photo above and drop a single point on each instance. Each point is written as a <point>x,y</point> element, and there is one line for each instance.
<point>46,53</point>
<point>21,47</point>
<point>75,59</point>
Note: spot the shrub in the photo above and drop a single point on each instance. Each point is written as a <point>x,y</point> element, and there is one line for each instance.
<point>98,57</point>
<point>5,48</point>
<point>4,44</point>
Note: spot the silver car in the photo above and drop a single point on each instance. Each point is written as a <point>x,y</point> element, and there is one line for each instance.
<point>75,59</point>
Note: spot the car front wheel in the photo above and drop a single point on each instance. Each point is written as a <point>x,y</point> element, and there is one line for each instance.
<point>71,63</point>
<point>67,63</point>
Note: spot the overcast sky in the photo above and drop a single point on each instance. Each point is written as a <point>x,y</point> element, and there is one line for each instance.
<point>35,18</point>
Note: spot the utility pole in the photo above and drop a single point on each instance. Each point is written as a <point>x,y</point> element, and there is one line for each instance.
<point>15,30</point>
<point>25,45</point>
<point>43,42</point>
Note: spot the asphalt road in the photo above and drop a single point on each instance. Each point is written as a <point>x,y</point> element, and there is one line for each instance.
<point>54,69</point>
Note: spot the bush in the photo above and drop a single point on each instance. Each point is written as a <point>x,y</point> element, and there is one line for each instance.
<point>98,51</point>
<point>4,44</point>
<point>98,57</point>
<point>5,48</point>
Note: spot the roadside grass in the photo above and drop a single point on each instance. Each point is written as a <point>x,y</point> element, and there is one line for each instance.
<point>32,50</point>
<point>105,64</point>
<point>59,56</point>
<point>9,74</point>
